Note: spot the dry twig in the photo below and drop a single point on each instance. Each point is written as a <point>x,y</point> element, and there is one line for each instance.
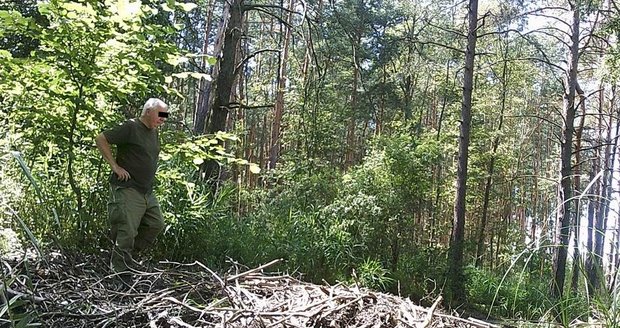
<point>67,292</point>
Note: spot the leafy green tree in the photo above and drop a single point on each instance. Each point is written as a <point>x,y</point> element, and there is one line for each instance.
<point>93,60</point>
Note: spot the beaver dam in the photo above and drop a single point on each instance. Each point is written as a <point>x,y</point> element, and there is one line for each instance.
<point>79,291</point>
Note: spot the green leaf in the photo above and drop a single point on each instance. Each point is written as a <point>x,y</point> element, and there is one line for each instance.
<point>165,156</point>
<point>166,8</point>
<point>175,60</point>
<point>187,6</point>
<point>25,321</point>
<point>199,76</point>
<point>254,168</point>
<point>198,161</point>
<point>44,8</point>
<point>125,9</point>
<point>4,309</point>
<point>182,75</point>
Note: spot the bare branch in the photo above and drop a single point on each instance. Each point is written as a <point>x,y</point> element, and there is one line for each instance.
<point>278,18</point>
<point>439,44</point>
<point>252,55</point>
<point>257,6</point>
<point>544,119</point>
<point>445,29</point>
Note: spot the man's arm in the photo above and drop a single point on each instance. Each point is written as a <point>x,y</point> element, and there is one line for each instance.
<point>106,152</point>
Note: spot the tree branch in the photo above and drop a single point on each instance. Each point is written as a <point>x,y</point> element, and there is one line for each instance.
<point>252,55</point>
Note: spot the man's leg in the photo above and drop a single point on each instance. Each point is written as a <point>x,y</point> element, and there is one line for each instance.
<point>126,208</point>
<point>151,225</point>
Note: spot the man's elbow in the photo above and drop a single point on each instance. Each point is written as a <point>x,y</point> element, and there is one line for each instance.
<point>101,140</point>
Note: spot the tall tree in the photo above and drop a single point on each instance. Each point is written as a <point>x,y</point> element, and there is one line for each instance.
<point>565,193</point>
<point>204,85</point>
<point>491,166</point>
<point>225,81</point>
<point>285,28</point>
<point>455,275</point>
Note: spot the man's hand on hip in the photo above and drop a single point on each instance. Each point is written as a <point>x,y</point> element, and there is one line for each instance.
<point>122,174</point>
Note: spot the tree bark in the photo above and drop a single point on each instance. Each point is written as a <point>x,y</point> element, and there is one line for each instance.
<point>455,276</point>
<point>274,149</point>
<point>491,170</point>
<point>204,86</point>
<point>225,82</point>
<point>565,210</point>
<point>577,223</point>
<point>595,265</point>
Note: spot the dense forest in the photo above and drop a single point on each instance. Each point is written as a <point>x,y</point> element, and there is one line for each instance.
<point>467,149</point>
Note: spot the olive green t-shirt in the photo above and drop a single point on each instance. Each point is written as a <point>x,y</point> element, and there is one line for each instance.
<point>137,152</point>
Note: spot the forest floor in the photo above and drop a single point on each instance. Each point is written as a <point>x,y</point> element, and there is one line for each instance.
<point>80,291</point>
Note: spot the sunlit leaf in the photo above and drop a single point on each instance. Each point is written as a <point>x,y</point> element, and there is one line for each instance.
<point>187,6</point>
<point>175,60</point>
<point>166,8</point>
<point>199,76</point>
<point>126,9</point>
<point>182,75</point>
<point>254,168</point>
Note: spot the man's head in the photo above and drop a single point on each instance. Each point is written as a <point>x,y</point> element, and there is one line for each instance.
<point>154,113</point>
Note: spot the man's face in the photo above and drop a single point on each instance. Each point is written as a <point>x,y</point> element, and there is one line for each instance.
<point>156,119</point>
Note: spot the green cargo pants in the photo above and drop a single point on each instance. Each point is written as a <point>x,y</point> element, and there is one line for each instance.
<point>135,222</point>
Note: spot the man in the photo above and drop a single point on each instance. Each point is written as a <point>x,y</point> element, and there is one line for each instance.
<point>134,213</point>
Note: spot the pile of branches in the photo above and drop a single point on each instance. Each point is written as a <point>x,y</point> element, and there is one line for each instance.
<point>61,291</point>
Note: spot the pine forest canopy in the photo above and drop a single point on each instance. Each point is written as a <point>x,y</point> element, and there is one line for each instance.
<point>468,149</point>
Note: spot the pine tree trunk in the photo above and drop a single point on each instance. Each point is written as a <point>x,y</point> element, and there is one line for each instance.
<point>595,268</point>
<point>490,171</point>
<point>455,276</point>
<point>565,211</point>
<point>274,149</point>
<point>577,223</point>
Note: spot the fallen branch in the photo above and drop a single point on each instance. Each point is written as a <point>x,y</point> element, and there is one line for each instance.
<point>429,318</point>
<point>80,292</point>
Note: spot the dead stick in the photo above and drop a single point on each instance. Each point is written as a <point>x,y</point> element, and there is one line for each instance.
<point>237,276</point>
<point>429,317</point>
<point>342,306</point>
<point>211,272</point>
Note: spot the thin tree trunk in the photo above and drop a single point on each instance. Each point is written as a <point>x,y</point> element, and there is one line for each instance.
<point>455,276</point>
<point>596,272</point>
<point>350,147</point>
<point>70,170</point>
<point>204,86</point>
<point>577,223</point>
<point>274,149</point>
<point>436,209</point>
<point>565,210</point>
<point>491,171</point>
<point>612,169</point>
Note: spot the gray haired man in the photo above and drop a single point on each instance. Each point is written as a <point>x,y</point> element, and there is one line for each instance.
<point>134,213</point>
